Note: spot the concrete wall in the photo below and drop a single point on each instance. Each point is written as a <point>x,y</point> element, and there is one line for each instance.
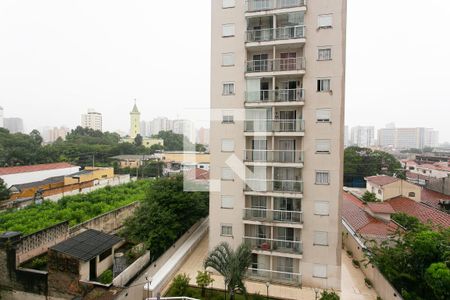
<point>395,189</point>
<point>439,185</point>
<point>123,278</point>
<point>383,287</point>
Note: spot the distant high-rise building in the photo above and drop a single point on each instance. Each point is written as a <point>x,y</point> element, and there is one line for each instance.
<point>408,138</point>
<point>363,136</point>
<point>160,124</point>
<point>2,124</point>
<point>346,136</point>
<point>92,120</point>
<point>14,125</point>
<point>135,122</point>
<point>203,136</point>
<point>50,135</point>
<point>185,127</point>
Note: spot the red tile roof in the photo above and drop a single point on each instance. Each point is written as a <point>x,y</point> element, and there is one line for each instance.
<point>411,175</point>
<point>382,208</point>
<point>381,180</point>
<point>432,198</point>
<point>34,168</point>
<point>197,174</point>
<point>363,223</point>
<point>421,211</point>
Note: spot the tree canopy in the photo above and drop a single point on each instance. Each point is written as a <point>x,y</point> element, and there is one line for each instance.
<point>4,192</point>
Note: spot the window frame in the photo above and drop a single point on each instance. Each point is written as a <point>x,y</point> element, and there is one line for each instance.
<point>230,199</point>
<point>324,48</point>
<point>325,109</point>
<point>322,17</point>
<point>320,85</point>
<point>226,225</point>
<point>316,275</point>
<point>230,92</point>
<point>222,145</point>
<point>224,178</point>
<point>232,4</point>
<point>323,141</point>
<point>322,171</point>
<point>233,59</point>
<point>315,243</point>
<point>318,212</point>
<point>231,27</point>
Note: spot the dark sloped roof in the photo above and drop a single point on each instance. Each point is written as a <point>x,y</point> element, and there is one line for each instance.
<point>87,245</point>
<point>50,180</point>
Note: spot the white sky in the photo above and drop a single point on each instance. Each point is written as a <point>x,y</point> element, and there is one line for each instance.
<point>59,57</point>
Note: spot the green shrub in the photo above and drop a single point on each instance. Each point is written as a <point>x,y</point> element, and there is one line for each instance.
<point>369,197</point>
<point>329,296</point>
<point>39,262</point>
<point>180,284</point>
<point>106,277</point>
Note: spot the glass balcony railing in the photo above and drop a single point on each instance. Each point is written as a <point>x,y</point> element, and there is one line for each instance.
<point>277,125</point>
<point>277,156</point>
<point>273,34</point>
<point>274,276</point>
<point>256,214</point>
<point>278,95</point>
<point>265,244</point>
<point>277,185</point>
<point>276,65</point>
<point>261,5</point>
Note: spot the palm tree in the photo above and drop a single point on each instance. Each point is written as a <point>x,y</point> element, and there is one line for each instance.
<point>231,264</point>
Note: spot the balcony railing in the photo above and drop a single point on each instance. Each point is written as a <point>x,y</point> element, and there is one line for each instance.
<point>273,34</point>
<point>255,214</point>
<point>284,95</point>
<point>274,276</point>
<point>277,156</point>
<point>278,125</point>
<point>261,5</point>
<point>276,65</point>
<point>285,246</point>
<point>261,185</point>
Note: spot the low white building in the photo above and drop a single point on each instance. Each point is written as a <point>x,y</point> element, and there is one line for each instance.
<point>26,174</point>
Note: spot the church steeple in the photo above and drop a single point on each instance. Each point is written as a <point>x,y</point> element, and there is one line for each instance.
<point>135,120</point>
<point>135,109</point>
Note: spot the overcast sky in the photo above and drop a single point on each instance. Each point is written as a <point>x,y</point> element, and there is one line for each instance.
<point>58,58</point>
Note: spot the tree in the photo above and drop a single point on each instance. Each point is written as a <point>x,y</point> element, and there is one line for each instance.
<point>407,221</point>
<point>4,191</point>
<point>329,296</point>
<point>231,264</point>
<point>200,148</point>
<point>203,280</point>
<point>174,141</point>
<point>369,197</point>
<point>36,137</point>
<point>180,284</point>
<point>138,140</point>
<point>437,277</point>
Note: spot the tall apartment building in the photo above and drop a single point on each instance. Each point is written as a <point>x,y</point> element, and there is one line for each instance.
<point>186,127</point>
<point>2,124</point>
<point>50,134</point>
<point>14,125</point>
<point>363,136</point>
<point>277,100</point>
<point>92,120</point>
<point>407,138</point>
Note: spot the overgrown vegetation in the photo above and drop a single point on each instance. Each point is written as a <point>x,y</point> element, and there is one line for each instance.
<point>4,192</point>
<point>369,197</point>
<point>326,295</point>
<point>180,284</point>
<point>74,209</point>
<point>212,294</point>
<point>203,280</point>
<point>408,222</point>
<point>106,277</point>
<point>417,261</point>
<point>165,214</point>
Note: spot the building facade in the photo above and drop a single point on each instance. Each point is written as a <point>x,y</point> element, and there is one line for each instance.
<point>14,125</point>
<point>50,135</point>
<point>92,120</point>
<point>135,122</point>
<point>408,138</point>
<point>277,129</point>
<point>363,136</point>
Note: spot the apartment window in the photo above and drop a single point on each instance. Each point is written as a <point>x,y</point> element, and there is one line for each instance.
<point>323,115</point>
<point>228,3</point>
<point>320,271</point>
<point>323,146</point>
<point>228,59</point>
<point>322,177</point>
<point>227,117</point>
<point>228,30</point>
<point>324,54</point>
<point>411,194</point>
<point>228,88</point>
<point>227,202</point>
<point>227,174</point>
<point>322,208</point>
<point>227,145</point>
<point>226,230</point>
<point>325,21</point>
<point>320,238</point>
<point>323,85</point>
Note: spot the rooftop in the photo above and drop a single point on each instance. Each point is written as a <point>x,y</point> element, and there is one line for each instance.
<point>381,180</point>
<point>34,168</point>
<point>432,198</point>
<point>381,208</point>
<point>132,157</point>
<point>87,245</point>
<point>50,180</point>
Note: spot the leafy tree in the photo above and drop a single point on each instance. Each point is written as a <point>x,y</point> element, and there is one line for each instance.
<point>369,197</point>
<point>138,140</point>
<point>174,141</point>
<point>437,276</point>
<point>231,264</point>
<point>329,296</point>
<point>407,221</point>
<point>203,280</point>
<point>165,214</point>
<point>36,137</point>
<point>4,192</point>
<point>180,284</point>
<point>200,148</point>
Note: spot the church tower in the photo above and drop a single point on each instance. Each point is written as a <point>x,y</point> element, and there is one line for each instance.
<point>135,118</point>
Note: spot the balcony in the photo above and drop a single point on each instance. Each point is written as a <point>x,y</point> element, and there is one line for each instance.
<point>278,96</point>
<point>279,185</point>
<point>262,5</point>
<point>274,156</point>
<point>276,34</point>
<point>276,65</point>
<point>255,214</point>
<point>277,125</point>
<point>275,276</point>
<point>264,244</point>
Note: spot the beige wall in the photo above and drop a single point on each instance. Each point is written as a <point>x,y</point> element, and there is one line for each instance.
<point>329,255</point>
<point>395,189</point>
